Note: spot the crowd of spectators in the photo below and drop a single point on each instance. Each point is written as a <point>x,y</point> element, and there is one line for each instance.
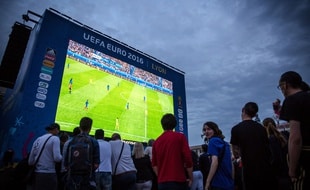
<point>100,61</point>
<point>258,156</point>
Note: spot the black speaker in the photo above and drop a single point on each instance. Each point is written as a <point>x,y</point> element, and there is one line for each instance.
<point>13,55</point>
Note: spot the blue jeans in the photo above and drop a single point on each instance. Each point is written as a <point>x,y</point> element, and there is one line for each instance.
<point>104,180</point>
<point>173,186</point>
<point>197,183</point>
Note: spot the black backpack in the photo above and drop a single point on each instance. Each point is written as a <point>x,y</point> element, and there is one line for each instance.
<point>80,155</point>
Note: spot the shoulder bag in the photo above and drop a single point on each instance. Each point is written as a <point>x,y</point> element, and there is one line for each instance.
<point>119,157</point>
<point>31,168</point>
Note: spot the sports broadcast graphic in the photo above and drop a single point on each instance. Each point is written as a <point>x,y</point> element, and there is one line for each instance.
<point>77,71</point>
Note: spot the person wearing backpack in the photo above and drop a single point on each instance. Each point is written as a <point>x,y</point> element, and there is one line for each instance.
<point>221,173</point>
<point>82,158</point>
<point>64,173</point>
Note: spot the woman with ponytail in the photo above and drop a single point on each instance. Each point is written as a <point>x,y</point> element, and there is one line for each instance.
<point>279,149</point>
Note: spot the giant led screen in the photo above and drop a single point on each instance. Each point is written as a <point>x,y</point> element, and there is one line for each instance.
<point>119,97</point>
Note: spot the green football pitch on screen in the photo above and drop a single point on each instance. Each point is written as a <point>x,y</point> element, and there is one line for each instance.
<point>115,104</point>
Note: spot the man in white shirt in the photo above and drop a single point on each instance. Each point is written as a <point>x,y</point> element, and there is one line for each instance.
<point>45,173</point>
<point>103,172</point>
<point>122,164</point>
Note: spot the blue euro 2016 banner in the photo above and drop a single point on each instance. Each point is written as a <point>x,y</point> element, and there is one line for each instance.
<point>32,105</point>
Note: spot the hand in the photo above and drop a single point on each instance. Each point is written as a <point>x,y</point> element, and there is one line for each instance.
<point>292,175</point>
<point>293,179</point>
<point>207,186</point>
<point>189,182</point>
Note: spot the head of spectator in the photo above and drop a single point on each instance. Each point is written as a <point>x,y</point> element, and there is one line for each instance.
<point>168,122</point>
<point>138,150</point>
<point>290,82</point>
<point>272,130</point>
<point>249,110</point>
<point>212,130</point>
<point>63,137</point>
<point>115,136</point>
<point>86,124</point>
<point>99,134</point>
<point>53,128</point>
<point>76,131</point>
<point>150,142</point>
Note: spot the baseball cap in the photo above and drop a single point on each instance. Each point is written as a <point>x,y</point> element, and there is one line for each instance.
<point>52,126</point>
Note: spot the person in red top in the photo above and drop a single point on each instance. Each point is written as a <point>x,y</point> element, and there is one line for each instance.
<point>171,157</point>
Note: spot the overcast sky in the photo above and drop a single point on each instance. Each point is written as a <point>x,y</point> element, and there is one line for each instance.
<point>232,51</point>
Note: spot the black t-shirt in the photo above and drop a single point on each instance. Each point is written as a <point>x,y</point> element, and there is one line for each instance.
<point>297,107</point>
<point>251,137</point>
<point>144,168</point>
